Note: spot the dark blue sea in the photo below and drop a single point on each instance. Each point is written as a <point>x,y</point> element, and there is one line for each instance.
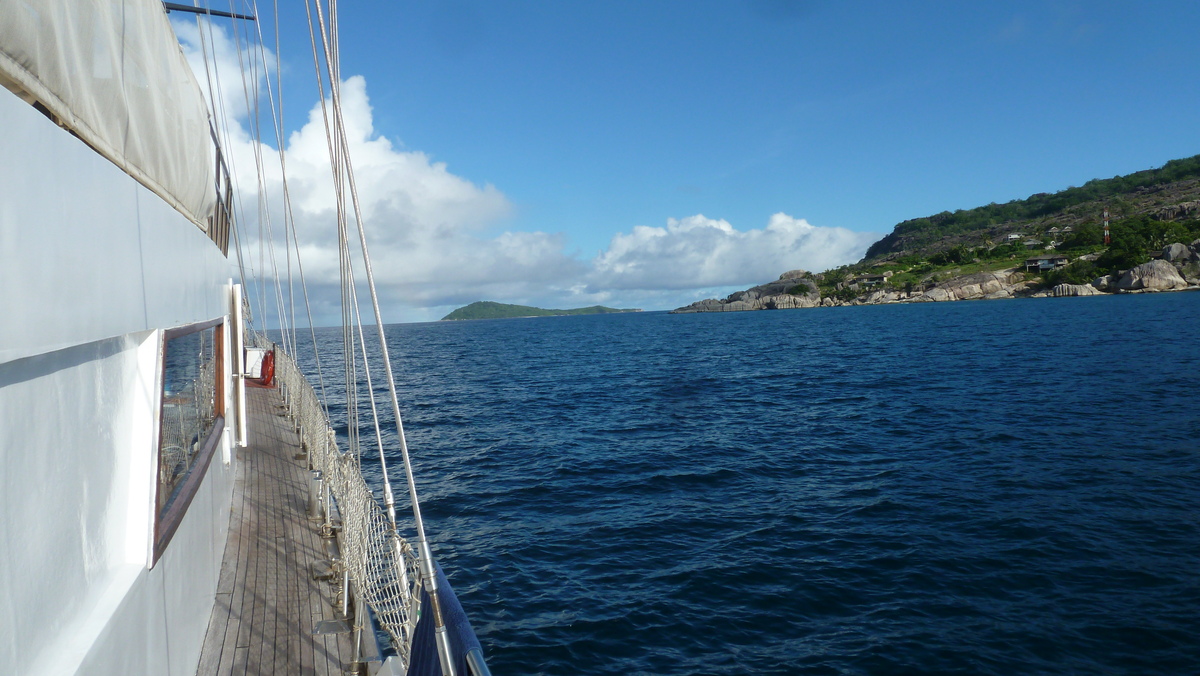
<point>976,488</point>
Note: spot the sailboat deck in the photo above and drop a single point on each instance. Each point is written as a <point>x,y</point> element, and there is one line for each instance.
<point>268,602</point>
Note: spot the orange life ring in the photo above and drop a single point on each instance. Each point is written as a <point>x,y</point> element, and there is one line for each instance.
<point>267,373</point>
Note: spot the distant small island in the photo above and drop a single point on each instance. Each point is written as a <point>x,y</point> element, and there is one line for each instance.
<point>486,309</point>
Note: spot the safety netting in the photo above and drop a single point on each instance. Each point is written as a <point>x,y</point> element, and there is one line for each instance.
<point>383,566</point>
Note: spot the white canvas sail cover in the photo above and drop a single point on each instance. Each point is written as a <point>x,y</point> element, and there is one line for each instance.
<point>112,72</point>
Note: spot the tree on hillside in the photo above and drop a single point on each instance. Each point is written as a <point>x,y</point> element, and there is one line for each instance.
<point>1128,248</point>
<point>1086,235</point>
<point>1162,233</point>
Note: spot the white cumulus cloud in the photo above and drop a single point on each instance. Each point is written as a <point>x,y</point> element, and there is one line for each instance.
<point>703,252</point>
<point>428,227</point>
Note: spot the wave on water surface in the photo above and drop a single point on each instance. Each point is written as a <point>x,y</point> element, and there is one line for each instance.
<point>997,487</point>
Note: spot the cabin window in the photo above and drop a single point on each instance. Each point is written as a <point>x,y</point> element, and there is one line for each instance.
<point>191,419</point>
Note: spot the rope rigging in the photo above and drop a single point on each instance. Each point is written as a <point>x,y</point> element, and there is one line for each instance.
<point>387,572</point>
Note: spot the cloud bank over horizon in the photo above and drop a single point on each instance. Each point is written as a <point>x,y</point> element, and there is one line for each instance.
<point>432,233</point>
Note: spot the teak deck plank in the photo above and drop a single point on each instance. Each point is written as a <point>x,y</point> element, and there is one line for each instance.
<point>267,602</point>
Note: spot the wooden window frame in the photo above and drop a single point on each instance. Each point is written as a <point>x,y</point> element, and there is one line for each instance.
<point>167,521</point>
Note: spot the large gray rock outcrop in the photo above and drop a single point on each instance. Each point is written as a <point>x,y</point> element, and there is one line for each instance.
<point>785,294</point>
<point>1177,252</point>
<point>1175,211</point>
<point>1063,290</point>
<point>884,296</point>
<point>790,302</point>
<point>1157,274</point>
<point>938,295</point>
<point>738,306</point>
<point>978,285</point>
<point>706,305</point>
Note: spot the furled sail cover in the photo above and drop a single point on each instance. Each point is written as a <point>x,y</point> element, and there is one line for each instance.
<point>112,72</point>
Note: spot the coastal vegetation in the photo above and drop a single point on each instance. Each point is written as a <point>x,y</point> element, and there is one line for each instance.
<point>1142,192</point>
<point>1133,240</point>
<point>1033,246</point>
<point>491,310</point>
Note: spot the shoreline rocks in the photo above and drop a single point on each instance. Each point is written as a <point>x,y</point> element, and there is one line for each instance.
<point>1157,274</point>
<point>778,295</point>
<point>796,289</point>
<point>1064,290</point>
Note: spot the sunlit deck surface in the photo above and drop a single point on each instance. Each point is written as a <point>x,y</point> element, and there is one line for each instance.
<point>267,601</point>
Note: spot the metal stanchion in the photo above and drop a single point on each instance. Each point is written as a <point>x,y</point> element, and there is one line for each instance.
<point>314,495</point>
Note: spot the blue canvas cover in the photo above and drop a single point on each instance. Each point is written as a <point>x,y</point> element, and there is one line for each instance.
<point>462,636</point>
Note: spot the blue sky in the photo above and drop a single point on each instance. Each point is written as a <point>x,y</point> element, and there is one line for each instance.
<point>589,120</point>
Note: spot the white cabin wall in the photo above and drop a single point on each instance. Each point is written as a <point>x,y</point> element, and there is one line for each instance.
<point>94,267</point>
<point>160,623</point>
<point>67,494</point>
<point>88,252</point>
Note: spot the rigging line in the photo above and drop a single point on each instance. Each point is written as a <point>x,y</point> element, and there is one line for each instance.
<point>260,281</point>
<point>216,123</point>
<point>264,197</point>
<point>353,317</point>
<point>320,76</point>
<point>358,323</point>
<point>347,285</point>
<point>289,215</point>
<point>342,154</point>
<point>252,104</point>
<point>288,210</point>
<point>350,301</point>
<point>339,193</point>
<point>304,289</point>
<point>289,218</point>
<point>352,290</point>
<point>427,566</point>
<point>220,124</point>
<point>338,160</point>
<point>352,375</point>
<point>223,126</point>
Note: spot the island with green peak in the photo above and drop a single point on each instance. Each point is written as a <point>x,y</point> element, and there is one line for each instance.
<point>486,309</point>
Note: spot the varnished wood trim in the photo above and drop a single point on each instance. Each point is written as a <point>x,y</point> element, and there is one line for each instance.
<point>168,522</point>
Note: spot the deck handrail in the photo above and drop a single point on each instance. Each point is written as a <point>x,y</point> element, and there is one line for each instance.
<point>382,565</point>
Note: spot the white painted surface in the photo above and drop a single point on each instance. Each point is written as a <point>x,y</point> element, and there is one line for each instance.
<point>102,266</point>
<point>239,370</point>
<point>94,254</point>
<point>67,493</point>
<point>76,489</point>
<point>254,361</point>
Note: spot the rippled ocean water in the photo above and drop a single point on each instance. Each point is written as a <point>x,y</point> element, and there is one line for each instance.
<point>976,487</point>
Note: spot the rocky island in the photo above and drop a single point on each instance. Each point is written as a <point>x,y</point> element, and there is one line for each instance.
<point>1121,235</point>
<point>490,310</point>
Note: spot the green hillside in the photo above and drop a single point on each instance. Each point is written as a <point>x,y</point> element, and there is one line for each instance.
<point>487,309</point>
<point>1150,194</point>
<point>1148,210</point>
